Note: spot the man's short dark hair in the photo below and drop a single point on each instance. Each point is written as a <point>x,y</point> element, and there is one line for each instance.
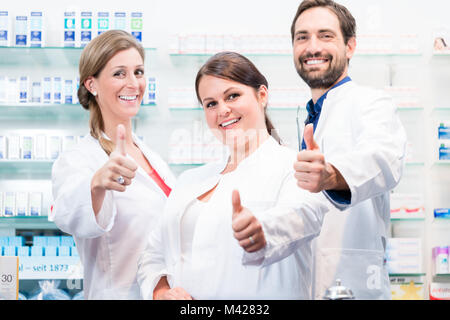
<point>346,20</point>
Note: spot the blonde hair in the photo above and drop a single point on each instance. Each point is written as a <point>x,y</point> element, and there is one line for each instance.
<point>92,61</point>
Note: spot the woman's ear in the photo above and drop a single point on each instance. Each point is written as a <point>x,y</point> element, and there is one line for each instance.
<point>89,84</point>
<point>263,96</point>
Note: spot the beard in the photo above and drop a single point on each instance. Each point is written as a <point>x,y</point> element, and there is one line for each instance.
<point>326,78</point>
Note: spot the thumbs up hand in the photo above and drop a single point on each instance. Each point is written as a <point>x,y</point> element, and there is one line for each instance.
<point>312,172</point>
<point>247,229</point>
<point>118,171</point>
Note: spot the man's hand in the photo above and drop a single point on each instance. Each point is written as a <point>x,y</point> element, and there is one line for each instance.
<point>312,172</point>
<point>247,229</point>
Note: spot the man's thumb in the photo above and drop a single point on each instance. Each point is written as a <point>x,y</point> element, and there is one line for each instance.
<point>120,140</point>
<point>308,135</point>
<point>236,200</point>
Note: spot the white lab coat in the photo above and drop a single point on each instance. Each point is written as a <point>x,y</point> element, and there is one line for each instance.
<point>265,180</point>
<point>110,245</point>
<point>360,133</point>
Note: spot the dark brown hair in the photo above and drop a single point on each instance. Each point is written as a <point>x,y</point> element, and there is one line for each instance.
<point>235,67</point>
<point>346,20</point>
<point>93,59</point>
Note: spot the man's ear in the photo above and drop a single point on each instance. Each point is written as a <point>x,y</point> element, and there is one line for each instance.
<point>351,47</point>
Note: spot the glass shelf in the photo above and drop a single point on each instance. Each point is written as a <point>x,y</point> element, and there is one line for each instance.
<point>442,163</point>
<point>22,166</point>
<point>407,274</point>
<point>414,164</point>
<point>45,56</point>
<point>446,275</point>
<point>28,111</point>
<point>408,219</point>
<point>28,222</point>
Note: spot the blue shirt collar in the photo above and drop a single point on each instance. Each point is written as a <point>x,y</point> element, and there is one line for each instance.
<point>317,107</point>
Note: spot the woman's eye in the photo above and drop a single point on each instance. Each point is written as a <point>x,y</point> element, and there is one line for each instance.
<point>119,74</point>
<point>233,96</point>
<point>210,104</point>
<point>139,72</point>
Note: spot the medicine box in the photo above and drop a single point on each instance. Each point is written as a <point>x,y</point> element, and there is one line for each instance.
<point>37,251</point>
<point>23,251</point>
<point>442,213</point>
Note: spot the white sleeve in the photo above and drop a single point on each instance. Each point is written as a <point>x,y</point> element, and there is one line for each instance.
<point>295,220</point>
<point>375,164</point>
<point>151,263</point>
<point>72,210</point>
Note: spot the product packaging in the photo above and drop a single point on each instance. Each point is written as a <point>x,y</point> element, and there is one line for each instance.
<point>69,39</point>
<point>86,28</point>
<point>24,85</point>
<point>120,21</point>
<point>3,149</point>
<point>36,92</point>
<point>9,204</point>
<point>57,90</point>
<point>440,291</point>
<point>21,31</point>
<point>22,204</point>
<point>35,204</point>
<point>440,260</point>
<point>103,22</point>
<point>136,25</point>
<point>1,214</point>
<point>151,92</point>
<point>5,28</point>
<point>13,147</point>
<point>37,251</point>
<point>68,91</point>
<point>13,91</point>
<point>47,90</point>
<point>40,147</point>
<point>54,147</point>
<point>68,142</point>
<point>49,291</point>
<point>27,147</point>
<point>444,131</point>
<point>3,89</point>
<point>36,29</point>
<point>444,150</point>
<point>23,251</point>
<point>443,213</point>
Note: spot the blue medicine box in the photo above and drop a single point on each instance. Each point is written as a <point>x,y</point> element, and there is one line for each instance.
<point>51,251</point>
<point>16,241</point>
<point>74,252</point>
<point>23,251</point>
<point>54,241</point>
<point>9,251</point>
<point>443,213</point>
<point>444,151</point>
<point>67,241</point>
<point>39,241</point>
<point>37,251</point>
<point>64,251</point>
<point>444,131</point>
<point>4,241</point>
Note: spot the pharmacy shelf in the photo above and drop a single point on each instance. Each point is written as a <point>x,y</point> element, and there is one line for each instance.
<point>54,111</point>
<point>442,163</point>
<point>421,219</point>
<point>44,57</point>
<point>50,111</point>
<point>26,166</point>
<point>28,223</point>
<point>401,275</point>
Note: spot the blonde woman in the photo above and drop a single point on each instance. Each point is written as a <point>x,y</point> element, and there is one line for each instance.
<point>109,189</point>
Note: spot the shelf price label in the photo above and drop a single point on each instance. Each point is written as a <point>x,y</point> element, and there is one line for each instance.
<point>50,268</point>
<point>9,278</point>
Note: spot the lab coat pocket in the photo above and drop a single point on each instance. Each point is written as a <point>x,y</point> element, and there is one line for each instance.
<point>360,270</point>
